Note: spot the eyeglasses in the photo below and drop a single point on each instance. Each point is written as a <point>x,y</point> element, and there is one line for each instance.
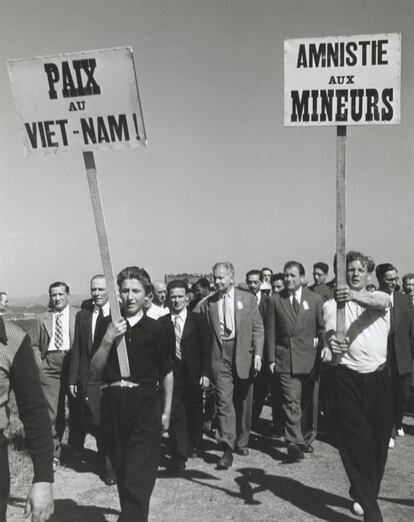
<point>391,279</point>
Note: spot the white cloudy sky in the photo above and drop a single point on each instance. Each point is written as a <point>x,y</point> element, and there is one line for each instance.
<point>222,178</point>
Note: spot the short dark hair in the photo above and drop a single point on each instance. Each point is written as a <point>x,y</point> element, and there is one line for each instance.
<point>266,268</point>
<point>177,283</point>
<point>354,255</point>
<point>279,276</point>
<point>322,266</point>
<point>299,266</point>
<point>410,275</point>
<point>134,272</point>
<point>203,282</point>
<point>59,283</point>
<point>382,269</point>
<point>253,272</point>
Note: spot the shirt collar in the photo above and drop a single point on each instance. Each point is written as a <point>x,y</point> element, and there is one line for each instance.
<point>132,321</point>
<point>297,294</point>
<point>63,313</point>
<point>105,309</point>
<point>182,315</point>
<point>230,293</point>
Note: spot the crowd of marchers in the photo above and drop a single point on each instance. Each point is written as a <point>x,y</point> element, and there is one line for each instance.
<point>204,359</point>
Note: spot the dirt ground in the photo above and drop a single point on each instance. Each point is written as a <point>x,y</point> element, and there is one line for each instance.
<point>259,487</point>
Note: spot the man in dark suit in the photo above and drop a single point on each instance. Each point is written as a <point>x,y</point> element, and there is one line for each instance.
<point>189,339</point>
<point>408,285</point>
<point>293,334</point>
<point>261,381</point>
<point>236,353</point>
<point>52,343</point>
<point>400,344</point>
<point>89,330</point>
<point>320,275</point>
<point>202,290</point>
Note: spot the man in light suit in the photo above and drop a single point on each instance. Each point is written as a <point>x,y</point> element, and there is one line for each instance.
<point>52,343</point>
<point>90,327</point>
<point>293,334</point>
<point>236,352</point>
<point>400,344</point>
<point>188,335</point>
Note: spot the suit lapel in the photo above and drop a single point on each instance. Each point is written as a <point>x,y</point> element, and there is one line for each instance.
<point>72,317</point>
<point>301,307</point>
<point>88,330</point>
<point>287,307</point>
<point>188,326</point>
<point>48,323</point>
<point>238,298</point>
<point>214,317</point>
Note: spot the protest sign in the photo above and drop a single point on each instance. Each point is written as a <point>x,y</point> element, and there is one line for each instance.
<point>343,80</point>
<point>84,101</point>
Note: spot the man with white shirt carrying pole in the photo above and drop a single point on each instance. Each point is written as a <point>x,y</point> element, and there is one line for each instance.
<point>363,392</point>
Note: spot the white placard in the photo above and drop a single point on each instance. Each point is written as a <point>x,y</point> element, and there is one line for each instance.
<point>83,101</point>
<point>343,80</point>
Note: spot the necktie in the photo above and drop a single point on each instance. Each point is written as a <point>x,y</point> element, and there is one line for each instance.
<point>228,319</point>
<point>177,330</point>
<point>295,305</point>
<point>58,331</point>
<point>99,325</point>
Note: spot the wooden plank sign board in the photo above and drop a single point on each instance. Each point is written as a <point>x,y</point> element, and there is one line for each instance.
<point>342,80</point>
<point>84,101</point>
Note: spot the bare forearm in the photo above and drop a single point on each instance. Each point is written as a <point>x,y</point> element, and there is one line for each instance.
<point>167,385</point>
<point>98,361</point>
<point>114,331</point>
<point>377,300</point>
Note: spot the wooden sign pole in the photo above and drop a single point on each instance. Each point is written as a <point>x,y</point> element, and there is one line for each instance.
<point>340,223</point>
<point>106,257</point>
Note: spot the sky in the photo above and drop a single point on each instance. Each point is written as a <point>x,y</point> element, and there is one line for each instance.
<point>222,178</point>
